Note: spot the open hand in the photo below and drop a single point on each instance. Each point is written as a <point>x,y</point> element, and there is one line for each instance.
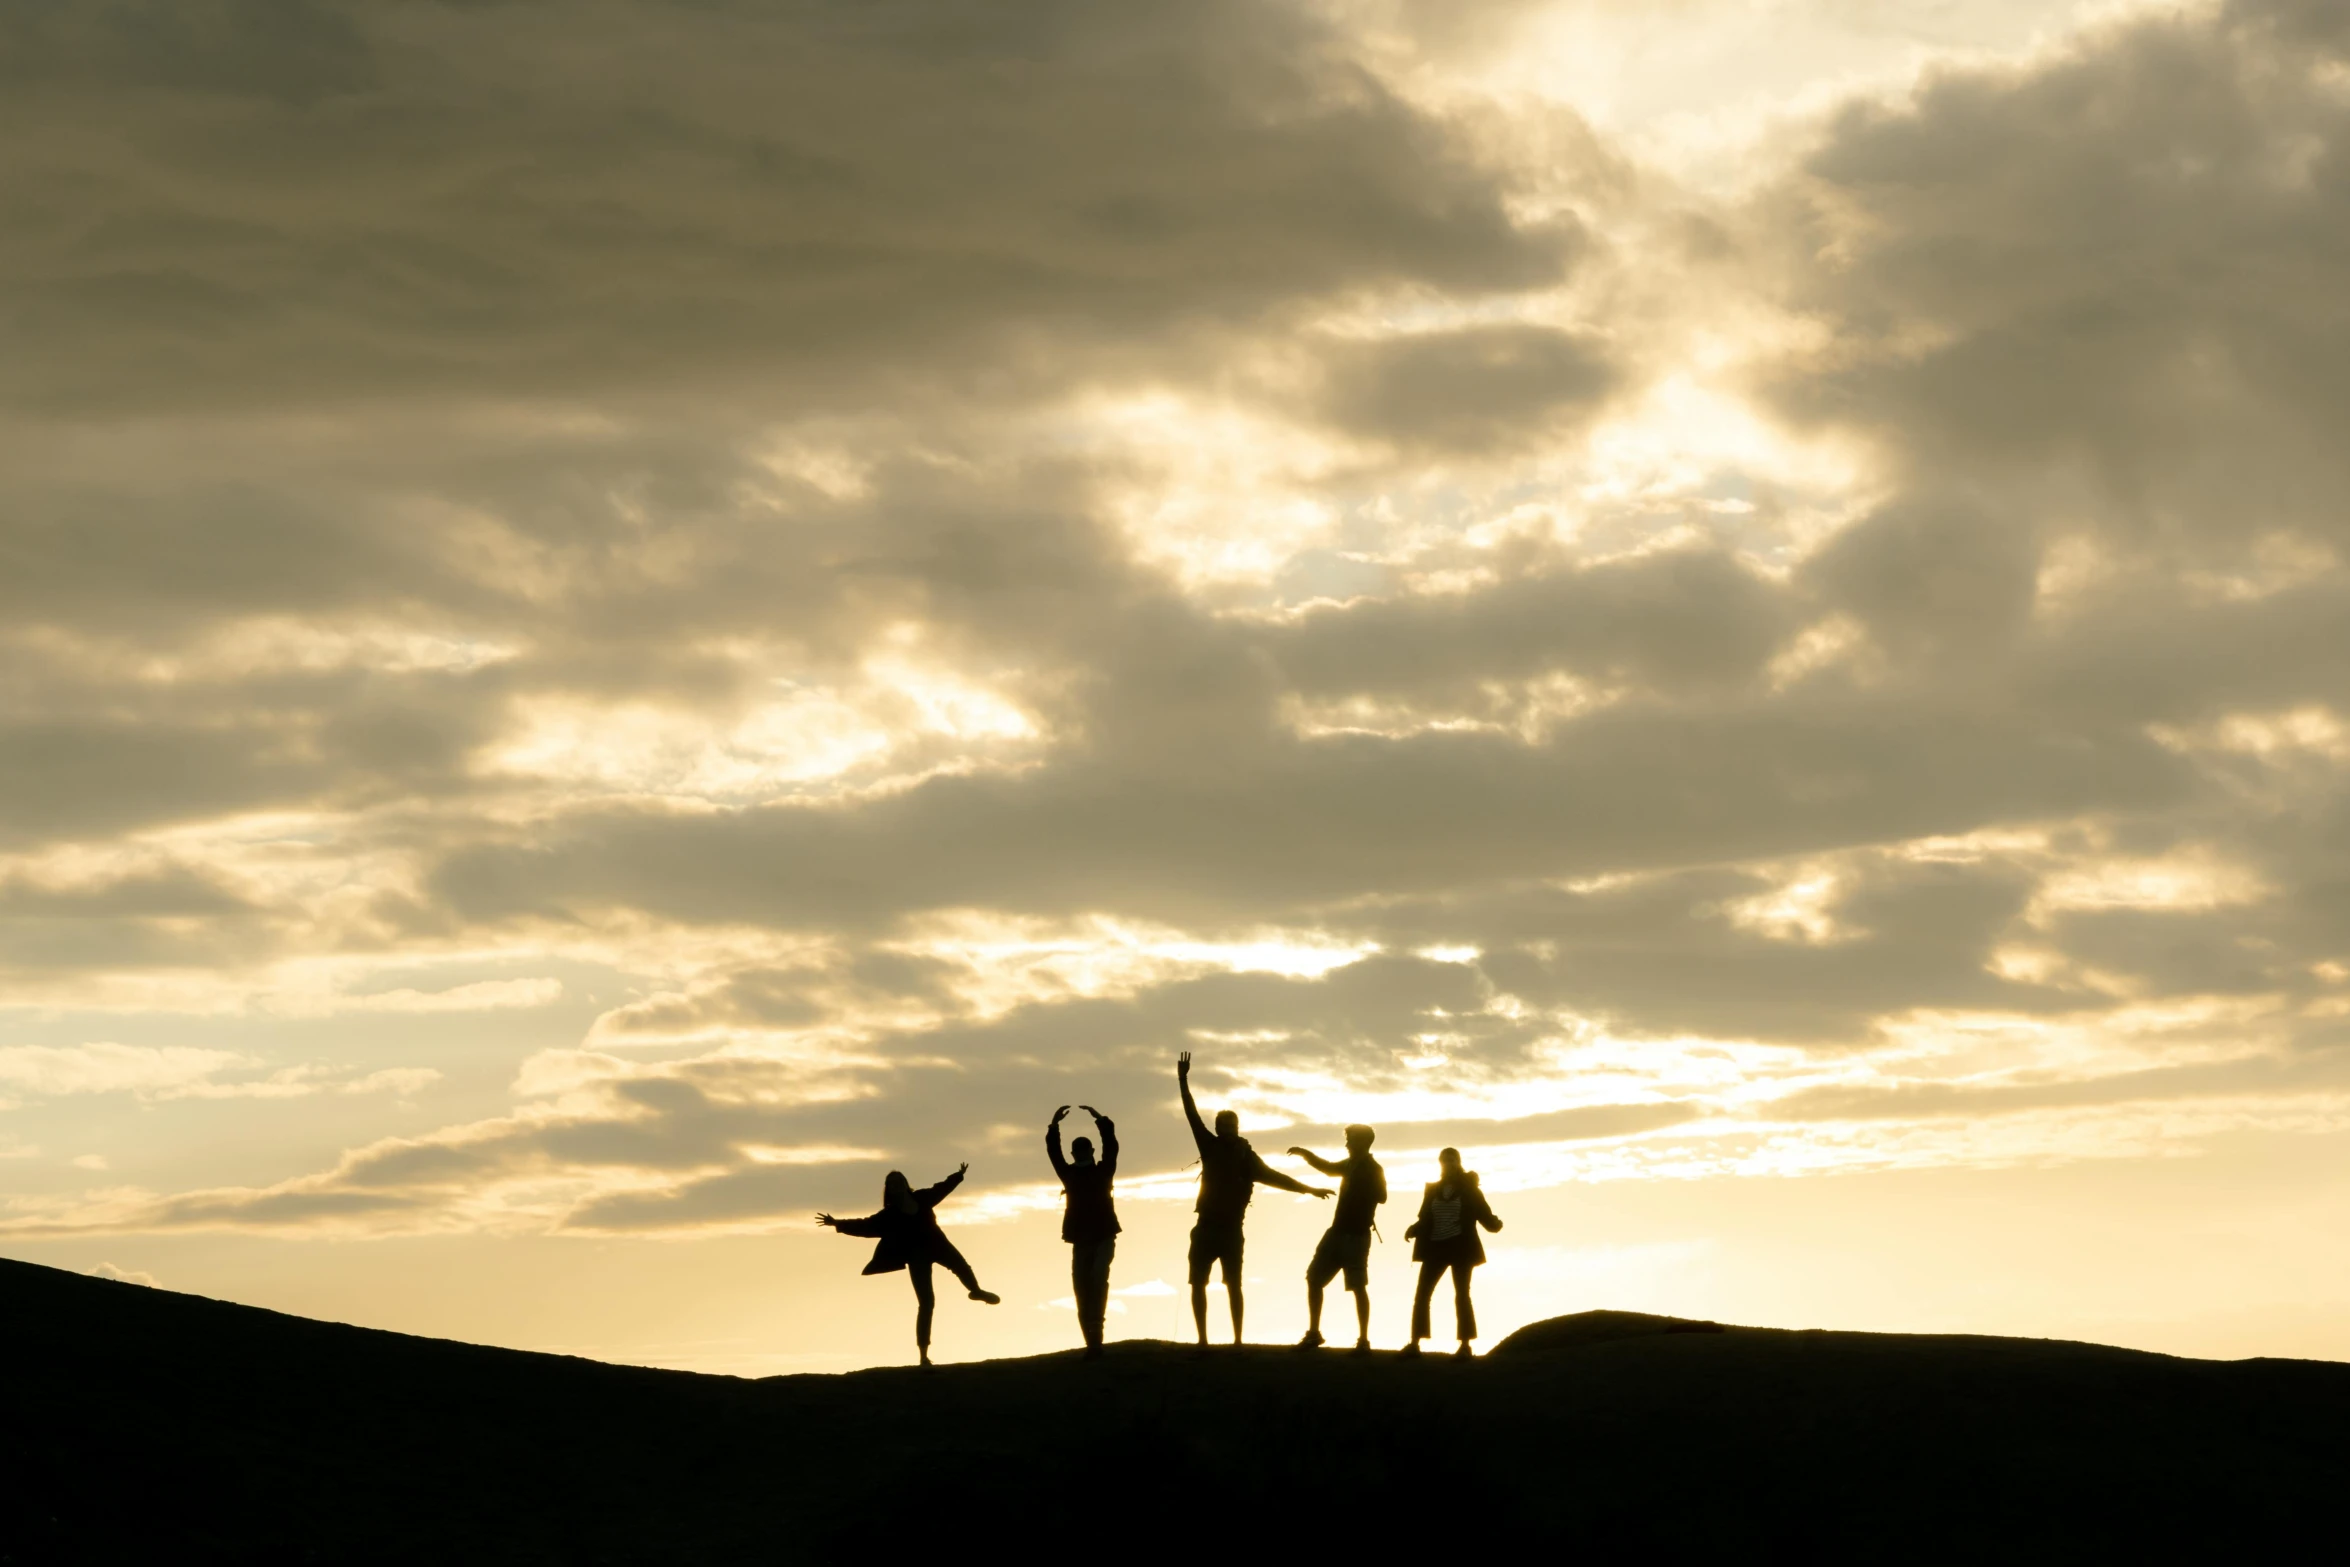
<point>1183,1064</point>
<point>1096,1114</point>
<point>964,1168</point>
<point>1058,1114</point>
<point>1321,1191</point>
<point>827,1220</point>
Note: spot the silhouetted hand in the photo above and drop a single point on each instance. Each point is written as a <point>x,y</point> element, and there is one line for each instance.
<point>1183,1064</point>
<point>1096,1114</point>
<point>964,1168</point>
<point>1496,1224</point>
<point>1298,1153</point>
<point>1058,1114</point>
<point>1321,1191</point>
<point>827,1220</point>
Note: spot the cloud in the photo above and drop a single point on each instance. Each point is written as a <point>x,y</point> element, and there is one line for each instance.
<point>108,1270</point>
<point>163,1072</point>
<point>823,578</point>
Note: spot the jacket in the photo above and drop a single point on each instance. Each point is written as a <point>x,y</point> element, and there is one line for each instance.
<point>1468,1246</point>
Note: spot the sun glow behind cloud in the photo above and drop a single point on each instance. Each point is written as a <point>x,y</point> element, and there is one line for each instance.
<point>1491,577</point>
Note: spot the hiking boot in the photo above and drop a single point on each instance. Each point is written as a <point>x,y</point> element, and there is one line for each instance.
<point>1411,1351</point>
<point>1312,1340</point>
<point>1362,1346</point>
<point>989,1296</point>
<point>1465,1352</point>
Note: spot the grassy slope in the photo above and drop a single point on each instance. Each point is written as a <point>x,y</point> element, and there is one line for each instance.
<point>140,1420</point>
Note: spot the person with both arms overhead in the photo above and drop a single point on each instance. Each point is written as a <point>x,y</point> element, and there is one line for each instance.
<point>1089,1222</point>
<point>909,1236</point>
<point>1346,1245</point>
<point>1445,1236</point>
<point>1229,1173</point>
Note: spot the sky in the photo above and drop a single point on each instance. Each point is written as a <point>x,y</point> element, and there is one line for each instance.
<point>617,617</point>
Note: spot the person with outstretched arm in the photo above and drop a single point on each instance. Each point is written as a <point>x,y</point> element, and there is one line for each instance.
<point>1089,1219</point>
<point>1346,1245</point>
<point>909,1236</point>
<point>1229,1174</point>
<point>1452,1210</point>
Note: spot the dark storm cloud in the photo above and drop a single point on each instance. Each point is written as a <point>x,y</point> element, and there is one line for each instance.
<point>255,202</point>
<point>2122,267</point>
<point>1478,389</point>
<point>1300,824</point>
<point>1678,620</point>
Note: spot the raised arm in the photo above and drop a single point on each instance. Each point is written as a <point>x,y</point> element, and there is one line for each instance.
<point>1109,1142</point>
<point>1199,1128</point>
<point>1318,1162</point>
<point>1052,1145</point>
<point>931,1197</point>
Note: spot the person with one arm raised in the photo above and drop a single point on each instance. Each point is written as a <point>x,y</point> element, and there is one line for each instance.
<point>1444,1236</point>
<point>1089,1220</point>
<point>1346,1245</point>
<point>1229,1174</point>
<point>909,1236</point>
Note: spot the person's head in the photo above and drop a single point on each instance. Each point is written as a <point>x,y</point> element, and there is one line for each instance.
<point>1358,1139</point>
<point>1449,1160</point>
<point>1227,1123</point>
<point>896,1190</point>
<point>1081,1152</point>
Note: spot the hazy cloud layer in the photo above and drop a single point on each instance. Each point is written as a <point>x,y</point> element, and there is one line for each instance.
<point>911,562</point>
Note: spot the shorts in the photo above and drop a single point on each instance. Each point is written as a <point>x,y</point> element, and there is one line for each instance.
<point>1214,1241</point>
<point>1341,1251</point>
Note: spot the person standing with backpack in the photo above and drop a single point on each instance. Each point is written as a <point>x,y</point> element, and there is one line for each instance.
<point>1445,1236</point>
<point>1346,1245</point>
<point>1229,1174</point>
<point>1089,1221</point>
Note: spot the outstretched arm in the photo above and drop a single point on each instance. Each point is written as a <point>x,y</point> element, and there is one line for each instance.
<point>1199,1128</point>
<point>1109,1142</point>
<point>1052,1145</point>
<point>1318,1162</point>
<point>868,1228</point>
<point>1268,1176</point>
<point>935,1195</point>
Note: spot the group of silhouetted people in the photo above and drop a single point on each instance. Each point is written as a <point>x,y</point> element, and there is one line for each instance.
<point>1444,1237</point>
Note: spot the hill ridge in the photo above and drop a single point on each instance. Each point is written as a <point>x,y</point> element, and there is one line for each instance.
<point>249,1435</point>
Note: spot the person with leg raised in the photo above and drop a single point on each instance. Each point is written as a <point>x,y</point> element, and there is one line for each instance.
<point>909,1238</point>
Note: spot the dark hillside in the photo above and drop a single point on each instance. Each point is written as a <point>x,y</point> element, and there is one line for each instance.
<point>149,1425</point>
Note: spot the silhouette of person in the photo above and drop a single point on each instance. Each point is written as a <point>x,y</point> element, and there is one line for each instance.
<point>1089,1221</point>
<point>1229,1174</point>
<point>1445,1236</point>
<point>1346,1245</point>
<point>909,1236</point>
